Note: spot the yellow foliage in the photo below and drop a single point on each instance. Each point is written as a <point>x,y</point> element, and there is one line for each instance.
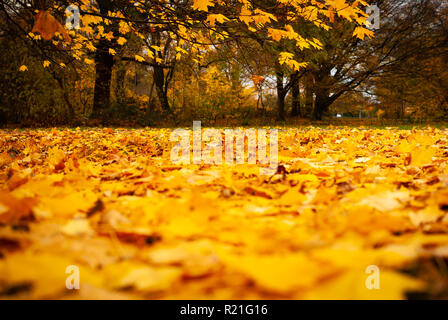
<point>347,202</point>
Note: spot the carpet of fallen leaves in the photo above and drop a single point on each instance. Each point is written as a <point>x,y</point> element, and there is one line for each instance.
<point>111,202</point>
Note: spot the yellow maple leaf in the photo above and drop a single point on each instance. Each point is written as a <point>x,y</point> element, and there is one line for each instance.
<point>202,5</point>
<point>275,34</point>
<point>361,33</point>
<point>139,58</point>
<point>89,61</point>
<point>352,286</point>
<point>121,41</point>
<point>212,18</point>
<point>422,156</point>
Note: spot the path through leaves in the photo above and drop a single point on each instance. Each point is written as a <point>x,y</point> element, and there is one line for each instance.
<point>111,202</point>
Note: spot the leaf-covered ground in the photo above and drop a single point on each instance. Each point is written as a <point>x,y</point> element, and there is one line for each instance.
<point>111,202</point>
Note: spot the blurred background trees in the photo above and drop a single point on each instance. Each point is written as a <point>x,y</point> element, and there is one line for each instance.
<point>401,73</point>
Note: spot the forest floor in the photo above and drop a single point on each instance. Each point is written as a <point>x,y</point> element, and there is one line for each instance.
<point>351,214</point>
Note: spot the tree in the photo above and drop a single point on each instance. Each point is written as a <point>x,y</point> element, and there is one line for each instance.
<point>202,23</point>
<point>346,63</point>
<point>417,87</point>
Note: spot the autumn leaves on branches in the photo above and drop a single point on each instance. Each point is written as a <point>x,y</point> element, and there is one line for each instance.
<point>109,31</point>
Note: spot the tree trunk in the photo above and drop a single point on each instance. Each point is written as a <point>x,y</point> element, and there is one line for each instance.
<point>281,95</point>
<point>322,104</point>
<point>120,76</point>
<point>324,101</point>
<point>159,81</point>
<point>308,96</point>
<point>295,110</point>
<point>104,63</point>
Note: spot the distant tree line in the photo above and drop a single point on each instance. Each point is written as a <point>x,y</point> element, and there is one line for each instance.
<point>150,62</point>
